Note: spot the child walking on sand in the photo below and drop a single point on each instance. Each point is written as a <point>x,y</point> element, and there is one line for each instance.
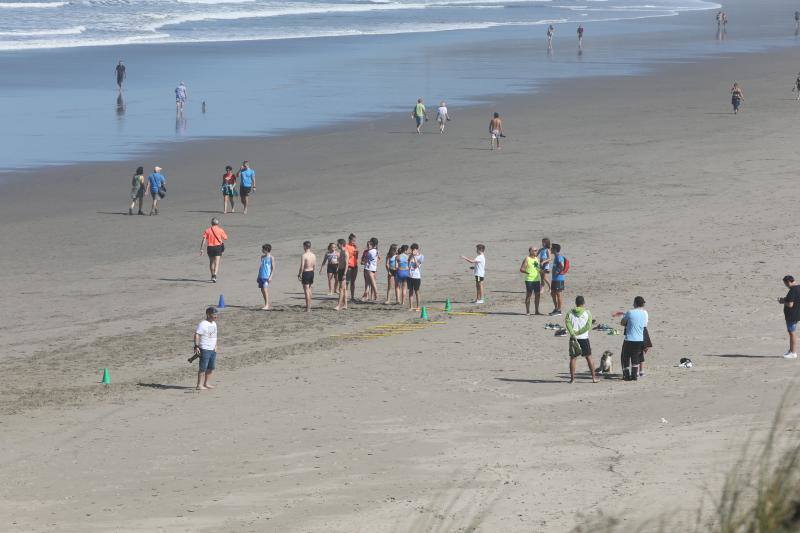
<point>265,270</point>
<point>331,259</point>
<point>391,271</point>
<point>479,268</point>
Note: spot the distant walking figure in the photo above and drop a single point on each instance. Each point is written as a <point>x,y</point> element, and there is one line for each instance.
<point>138,187</point>
<point>796,21</point>
<point>215,237</point>
<point>121,74</point>
<point>442,116</point>
<point>157,185</point>
<point>797,85</point>
<point>737,97</point>
<point>181,94</point>
<point>496,131</point>
<point>420,114</point>
<point>580,35</point>
<point>550,31</point>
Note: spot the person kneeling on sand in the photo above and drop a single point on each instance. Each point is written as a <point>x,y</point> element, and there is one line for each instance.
<point>578,323</point>
<point>205,347</point>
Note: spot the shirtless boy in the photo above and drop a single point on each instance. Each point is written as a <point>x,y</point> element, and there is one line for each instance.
<point>308,264</point>
<point>496,131</point>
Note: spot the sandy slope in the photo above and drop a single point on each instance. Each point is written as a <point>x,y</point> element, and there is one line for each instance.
<point>652,187</point>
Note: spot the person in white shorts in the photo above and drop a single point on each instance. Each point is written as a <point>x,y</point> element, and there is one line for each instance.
<point>441,116</point>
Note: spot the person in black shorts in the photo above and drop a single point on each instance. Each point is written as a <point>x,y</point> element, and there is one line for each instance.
<point>791,313</point>
<point>578,323</point>
<point>308,264</point>
<point>341,273</point>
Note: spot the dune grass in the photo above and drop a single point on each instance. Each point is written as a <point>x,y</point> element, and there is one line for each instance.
<point>760,494</point>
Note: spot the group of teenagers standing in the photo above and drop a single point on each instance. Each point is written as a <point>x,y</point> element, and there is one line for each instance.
<point>341,261</point>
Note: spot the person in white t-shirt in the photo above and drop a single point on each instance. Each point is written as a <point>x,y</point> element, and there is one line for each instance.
<point>442,116</point>
<point>415,260</point>
<point>205,347</point>
<point>370,260</point>
<point>479,268</point>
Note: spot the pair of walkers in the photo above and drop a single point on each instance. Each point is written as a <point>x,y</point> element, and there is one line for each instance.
<point>420,115</point>
<point>247,185</point>
<point>154,185</point>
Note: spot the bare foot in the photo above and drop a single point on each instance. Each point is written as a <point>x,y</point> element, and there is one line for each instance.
<point>594,380</point>
<point>572,380</point>
<point>266,308</point>
<point>210,386</point>
<point>386,302</point>
<point>337,308</point>
<point>202,388</point>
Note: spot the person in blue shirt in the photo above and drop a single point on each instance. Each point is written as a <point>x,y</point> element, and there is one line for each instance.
<point>156,184</point>
<point>557,284</point>
<point>247,183</point>
<point>635,322</point>
<point>265,270</point>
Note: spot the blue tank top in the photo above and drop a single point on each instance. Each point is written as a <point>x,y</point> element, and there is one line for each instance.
<point>392,262</point>
<point>402,262</point>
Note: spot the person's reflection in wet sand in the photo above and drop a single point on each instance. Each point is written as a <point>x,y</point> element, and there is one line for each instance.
<point>180,124</point>
<point>120,105</point>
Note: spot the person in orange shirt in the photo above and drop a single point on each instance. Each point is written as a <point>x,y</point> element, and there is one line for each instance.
<point>215,237</point>
<point>352,264</point>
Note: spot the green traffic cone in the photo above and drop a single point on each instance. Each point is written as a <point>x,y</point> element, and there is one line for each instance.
<point>106,377</point>
<point>424,314</point>
<point>448,306</point>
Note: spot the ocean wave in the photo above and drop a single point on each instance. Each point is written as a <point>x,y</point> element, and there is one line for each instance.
<point>75,30</point>
<point>31,5</point>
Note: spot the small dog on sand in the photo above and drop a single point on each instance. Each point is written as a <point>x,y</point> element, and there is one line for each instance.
<point>606,362</point>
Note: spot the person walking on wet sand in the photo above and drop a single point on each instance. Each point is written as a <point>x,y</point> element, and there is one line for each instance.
<point>215,237</point>
<point>157,186</point>
<point>580,36</point>
<point>228,189</point>
<point>737,97</point>
<point>247,184</point>
<point>578,323</point>
<point>797,86</point>
<point>308,265</point>
<point>442,116</point>
<point>181,94</point>
<point>341,273</point>
<point>550,31</point>
<point>121,74</point>
<point>205,347</point>
<point>495,131</point>
<point>138,188</point>
<point>420,115</point>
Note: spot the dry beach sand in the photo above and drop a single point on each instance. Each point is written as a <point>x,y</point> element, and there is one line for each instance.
<point>650,184</point>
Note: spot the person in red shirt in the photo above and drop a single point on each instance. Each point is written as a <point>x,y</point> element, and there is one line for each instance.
<point>215,237</point>
<point>228,189</point>
<point>352,264</point>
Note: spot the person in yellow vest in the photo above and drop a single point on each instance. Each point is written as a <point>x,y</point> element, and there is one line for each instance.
<point>533,280</point>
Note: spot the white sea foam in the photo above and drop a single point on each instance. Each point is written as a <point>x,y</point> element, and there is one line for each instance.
<point>31,5</point>
<point>76,30</point>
